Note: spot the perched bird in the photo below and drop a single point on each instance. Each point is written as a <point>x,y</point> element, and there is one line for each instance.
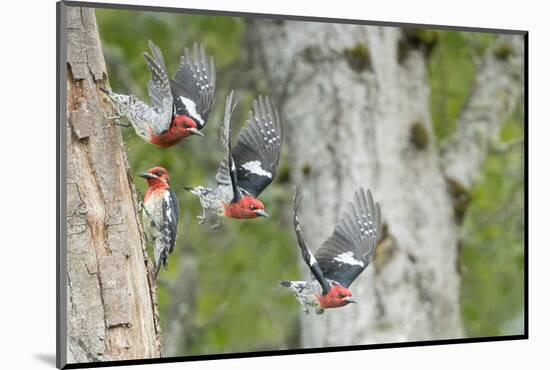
<point>248,168</point>
<point>341,258</point>
<point>160,215</point>
<point>180,107</point>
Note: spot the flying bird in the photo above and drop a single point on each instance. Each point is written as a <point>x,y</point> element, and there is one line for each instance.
<point>160,215</point>
<point>341,258</point>
<point>246,169</point>
<point>179,107</point>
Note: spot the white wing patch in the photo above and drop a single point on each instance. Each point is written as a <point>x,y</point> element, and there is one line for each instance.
<point>256,168</point>
<point>347,258</point>
<point>168,209</point>
<point>192,109</point>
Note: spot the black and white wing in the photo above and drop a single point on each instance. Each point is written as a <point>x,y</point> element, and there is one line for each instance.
<point>227,175</point>
<point>349,250</point>
<point>308,257</point>
<point>227,172</point>
<point>172,212</point>
<point>168,229</point>
<point>256,155</point>
<point>257,152</point>
<point>159,90</point>
<point>194,85</point>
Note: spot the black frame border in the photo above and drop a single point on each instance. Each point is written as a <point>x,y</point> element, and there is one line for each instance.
<point>61,119</point>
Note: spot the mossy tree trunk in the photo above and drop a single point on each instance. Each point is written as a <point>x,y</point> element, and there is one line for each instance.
<point>111,293</point>
<point>355,105</point>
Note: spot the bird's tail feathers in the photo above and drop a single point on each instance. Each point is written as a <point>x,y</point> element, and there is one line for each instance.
<point>162,260</point>
<point>157,267</point>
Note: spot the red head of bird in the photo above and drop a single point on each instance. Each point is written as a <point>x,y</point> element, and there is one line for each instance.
<point>185,126</point>
<point>157,178</point>
<point>246,207</point>
<point>182,126</point>
<point>337,296</point>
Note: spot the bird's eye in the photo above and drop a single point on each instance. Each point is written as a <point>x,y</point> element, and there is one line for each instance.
<point>252,207</point>
<point>158,174</point>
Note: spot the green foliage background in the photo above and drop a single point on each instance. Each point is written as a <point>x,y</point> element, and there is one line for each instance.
<point>239,306</point>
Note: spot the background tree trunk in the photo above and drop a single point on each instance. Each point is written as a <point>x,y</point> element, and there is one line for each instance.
<point>355,105</point>
<point>111,292</point>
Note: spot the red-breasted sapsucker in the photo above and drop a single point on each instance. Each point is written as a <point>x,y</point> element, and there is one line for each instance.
<point>160,215</point>
<point>180,107</point>
<point>341,258</point>
<point>248,168</point>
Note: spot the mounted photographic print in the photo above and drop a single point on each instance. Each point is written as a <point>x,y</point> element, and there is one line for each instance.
<point>235,184</point>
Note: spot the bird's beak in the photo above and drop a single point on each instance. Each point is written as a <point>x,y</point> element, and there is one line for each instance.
<point>350,300</point>
<point>195,131</point>
<point>146,175</point>
<point>262,213</point>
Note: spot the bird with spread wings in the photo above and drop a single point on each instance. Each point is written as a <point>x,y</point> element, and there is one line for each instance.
<point>248,167</point>
<point>341,258</point>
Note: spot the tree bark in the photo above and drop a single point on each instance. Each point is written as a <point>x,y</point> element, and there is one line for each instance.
<point>498,88</point>
<point>355,106</point>
<point>111,292</point>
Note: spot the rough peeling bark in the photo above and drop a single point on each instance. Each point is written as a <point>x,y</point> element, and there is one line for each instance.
<point>355,105</point>
<point>111,293</point>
